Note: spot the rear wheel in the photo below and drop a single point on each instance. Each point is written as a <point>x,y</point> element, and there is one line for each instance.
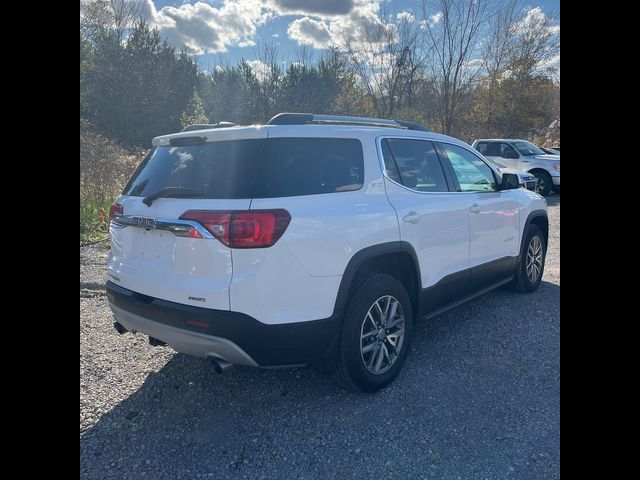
<point>531,264</point>
<point>375,334</point>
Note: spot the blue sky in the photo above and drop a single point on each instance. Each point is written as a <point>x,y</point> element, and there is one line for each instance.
<point>216,31</point>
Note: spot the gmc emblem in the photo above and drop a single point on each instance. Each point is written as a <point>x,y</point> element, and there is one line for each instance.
<point>144,222</point>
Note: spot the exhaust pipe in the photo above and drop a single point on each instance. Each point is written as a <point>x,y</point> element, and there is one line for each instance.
<point>119,328</point>
<point>154,342</point>
<point>220,365</point>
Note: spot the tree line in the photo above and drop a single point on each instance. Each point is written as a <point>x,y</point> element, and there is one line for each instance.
<point>475,69</point>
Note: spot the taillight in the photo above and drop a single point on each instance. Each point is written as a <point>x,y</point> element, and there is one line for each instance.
<point>116,209</point>
<point>243,229</point>
<point>556,167</point>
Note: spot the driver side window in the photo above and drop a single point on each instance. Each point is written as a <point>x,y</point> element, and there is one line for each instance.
<point>473,174</point>
<point>507,151</point>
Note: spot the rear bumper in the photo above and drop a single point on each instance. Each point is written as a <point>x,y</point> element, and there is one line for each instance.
<point>556,181</point>
<point>231,336</point>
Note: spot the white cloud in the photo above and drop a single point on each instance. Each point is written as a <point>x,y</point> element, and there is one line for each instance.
<point>275,35</point>
<point>200,28</point>
<point>472,66</point>
<point>212,27</point>
<point>260,69</point>
<point>361,25</point>
<point>552,64</point>
<point>535,19</point>
<point>307,31</point>
<point>436,18</point>
<point>405,16</point>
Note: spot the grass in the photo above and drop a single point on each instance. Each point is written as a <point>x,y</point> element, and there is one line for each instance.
<point>93,225</point>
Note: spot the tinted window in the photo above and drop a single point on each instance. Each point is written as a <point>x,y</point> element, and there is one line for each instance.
<point>389,164</point>
<point>504,148</point>
<point>278,167</point>
<point>218,169</point>
<point>482,148</point>
<point>473,174</point>
<point>527,148</point>
<point>417,163</point>
<point>307,166</point>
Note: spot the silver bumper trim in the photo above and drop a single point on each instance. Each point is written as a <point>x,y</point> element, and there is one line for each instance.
<point>191,343</point>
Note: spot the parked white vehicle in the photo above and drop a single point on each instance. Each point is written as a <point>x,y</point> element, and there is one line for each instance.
<point>525,180</point>
<point>314,240</point>
<point>525,156</point>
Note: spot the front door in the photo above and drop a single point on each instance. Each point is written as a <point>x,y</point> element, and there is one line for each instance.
<point>493,217</point>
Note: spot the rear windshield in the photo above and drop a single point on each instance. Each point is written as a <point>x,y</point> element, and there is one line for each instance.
<point>276,167</point>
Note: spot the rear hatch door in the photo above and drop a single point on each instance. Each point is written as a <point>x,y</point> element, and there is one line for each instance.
<point>157,254</point>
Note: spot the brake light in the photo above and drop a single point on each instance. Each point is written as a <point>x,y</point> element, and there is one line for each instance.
<point>116,209</point>
<point>556,167</point>
<point>243,229</point>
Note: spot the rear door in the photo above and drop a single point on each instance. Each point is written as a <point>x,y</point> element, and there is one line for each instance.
<point>153,251</point>
<point>432,217</point>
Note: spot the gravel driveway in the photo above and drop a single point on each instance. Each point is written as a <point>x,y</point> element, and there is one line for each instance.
<point>478,398</point>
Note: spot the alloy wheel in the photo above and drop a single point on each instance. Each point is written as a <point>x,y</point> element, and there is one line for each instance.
<point>382,334</point>
<point>534,259</point>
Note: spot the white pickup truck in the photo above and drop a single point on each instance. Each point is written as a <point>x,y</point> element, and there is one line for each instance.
<point>525,156</point>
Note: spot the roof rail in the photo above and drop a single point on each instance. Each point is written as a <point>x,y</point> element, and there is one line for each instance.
<point>305,118</point>
<point>207,126</point>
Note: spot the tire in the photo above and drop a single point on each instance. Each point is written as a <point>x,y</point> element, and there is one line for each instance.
<point>356,370</point>
<point>525,280</point>
<point>544,183</point>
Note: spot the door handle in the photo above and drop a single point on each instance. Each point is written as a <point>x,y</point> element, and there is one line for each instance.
<point>411,217</point>
<point>475,208</point>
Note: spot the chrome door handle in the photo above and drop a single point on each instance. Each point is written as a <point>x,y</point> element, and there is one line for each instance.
<point>475,208</point>
<point>411,217</point>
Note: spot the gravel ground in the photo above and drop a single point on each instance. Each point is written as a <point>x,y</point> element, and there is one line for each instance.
<point>478,398</point>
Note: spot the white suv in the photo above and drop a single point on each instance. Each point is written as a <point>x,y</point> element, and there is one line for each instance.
<point>525,156</point>
<point>314,240</point>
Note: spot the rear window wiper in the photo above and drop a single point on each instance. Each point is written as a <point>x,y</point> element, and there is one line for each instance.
<point>172,192</point>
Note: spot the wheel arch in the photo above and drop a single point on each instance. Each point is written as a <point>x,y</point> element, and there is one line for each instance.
<point>398,259</point>
<point>539,218</point>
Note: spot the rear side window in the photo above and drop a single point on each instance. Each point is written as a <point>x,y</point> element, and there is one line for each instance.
<point>416,163</point>
<point>217,169</point>
<point>277,167</point>
<point>308,166</point>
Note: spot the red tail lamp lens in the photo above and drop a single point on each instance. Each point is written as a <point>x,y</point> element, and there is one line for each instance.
<point>116,209</point>
<point>243,229</point>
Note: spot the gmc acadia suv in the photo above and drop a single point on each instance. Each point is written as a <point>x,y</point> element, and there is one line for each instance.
<point>314,240</point>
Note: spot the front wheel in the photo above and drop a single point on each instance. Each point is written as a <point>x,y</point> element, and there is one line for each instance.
<point>375,334</point>
<point>544,183</point>
<point>531,263</point>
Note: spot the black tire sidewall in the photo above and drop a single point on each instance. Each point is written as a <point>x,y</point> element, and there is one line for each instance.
<point>364,297</point>
<point>523,279</point>
<point>548,182</point>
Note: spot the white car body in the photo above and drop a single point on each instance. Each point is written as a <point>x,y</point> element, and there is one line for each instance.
<point>454,238</point>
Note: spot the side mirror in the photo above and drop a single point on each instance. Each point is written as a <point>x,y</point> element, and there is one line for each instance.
<point>510,181</point>
<point>510,154</point>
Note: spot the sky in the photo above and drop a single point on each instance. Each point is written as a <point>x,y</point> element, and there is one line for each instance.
<point>227,31</point>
